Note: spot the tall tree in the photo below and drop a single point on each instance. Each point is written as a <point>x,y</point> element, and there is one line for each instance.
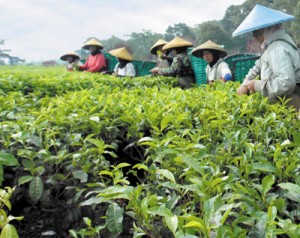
<point>212,30</point>
<point>141,43</point>
<point>12,60</point>
<point>290,7</point>
<point>181,30</point>
<point>295,26</point>
<point>3,53</point>
<point>113,43</point>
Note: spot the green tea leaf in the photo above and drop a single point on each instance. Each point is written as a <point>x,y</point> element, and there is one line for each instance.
<point>140,166</point>
<point>193,163</point>
<point>27,164</point>
<point>87,221</point>
<point>36,188</point>
<point>36,141</point>
<point>79,174</point>
<point>8,159</point>
<point>272,212</point>
<point>267,183</point>
<point>166,173</point>
<point>114,219</point>
<point>292,191</point>
<point>9,231</point>
<point>264,167</point>
<point>195,224</point>
<point>292,230</point>
<point>296,137</point>
<point>24,179</point>
<point>165,121</point>
<point>172,223</point>
<point>219,180</point>
<point>122,165</point>
<point>161,211</point>
<point>91,201</point>
<point>115,192</point>
<point>73,233</point>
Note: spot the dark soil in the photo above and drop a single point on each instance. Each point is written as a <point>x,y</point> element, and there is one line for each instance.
<point>56,223</point>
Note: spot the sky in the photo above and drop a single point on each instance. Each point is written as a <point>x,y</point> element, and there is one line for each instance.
<point>37,30</point>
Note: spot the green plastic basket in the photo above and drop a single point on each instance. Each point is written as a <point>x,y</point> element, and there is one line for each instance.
<point>111,61</point>
<point>199,65</point>
<point>142,67</point>
<point>240,64</point>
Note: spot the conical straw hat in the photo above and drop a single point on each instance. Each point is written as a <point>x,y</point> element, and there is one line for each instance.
<point>73,54</point>
<point>158,43</point>
<point>208,45</point>
<point>261,17</point>
<point>177,42</point>
<point>121,53</point>
<point>92,42</point>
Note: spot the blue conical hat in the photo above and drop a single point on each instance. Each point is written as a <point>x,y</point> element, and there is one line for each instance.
<point>261,17</point>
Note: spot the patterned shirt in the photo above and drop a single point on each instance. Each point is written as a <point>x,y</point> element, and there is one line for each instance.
<point>180,66</point>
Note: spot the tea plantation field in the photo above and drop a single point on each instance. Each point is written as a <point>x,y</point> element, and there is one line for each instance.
<point>89,155</point>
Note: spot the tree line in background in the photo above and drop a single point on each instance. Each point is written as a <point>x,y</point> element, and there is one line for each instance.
<point>220,31</point>
<point>6,58</point>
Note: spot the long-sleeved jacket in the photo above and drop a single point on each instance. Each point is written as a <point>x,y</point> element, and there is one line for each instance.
<point>94,63</point>
<point>128,70</point>
<point>180,66</point>
<point>276,66</point>
<point>218,71</point>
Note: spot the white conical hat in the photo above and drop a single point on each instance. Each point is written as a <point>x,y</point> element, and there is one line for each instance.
<point>261,17</point>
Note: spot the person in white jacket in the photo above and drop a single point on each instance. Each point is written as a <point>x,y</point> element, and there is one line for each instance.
<point>213,54</point>
<point>124,67</point>
<point>279,64</point>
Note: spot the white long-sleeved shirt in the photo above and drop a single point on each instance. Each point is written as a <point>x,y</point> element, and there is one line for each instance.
<point>218,71</point>
<point>128,70</point>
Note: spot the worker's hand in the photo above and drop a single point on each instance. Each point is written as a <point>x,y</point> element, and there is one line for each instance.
<point>164,56</point>
<point>250,86</point>
<point>154,70</point>
<point>243,90</point>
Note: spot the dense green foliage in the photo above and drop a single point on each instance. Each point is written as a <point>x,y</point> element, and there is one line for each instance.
<point>202,162</point>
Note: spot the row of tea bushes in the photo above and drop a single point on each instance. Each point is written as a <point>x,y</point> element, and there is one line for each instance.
<point>162,161</point>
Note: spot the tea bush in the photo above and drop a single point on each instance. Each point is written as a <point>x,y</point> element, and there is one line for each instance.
<point>148,159</point>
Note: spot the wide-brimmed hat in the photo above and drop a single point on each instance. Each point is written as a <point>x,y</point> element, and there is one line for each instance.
<point>92,42</point>
<point>208,45</point>
<point>121,53</point>
<point>72,54</point>
<point>177,42</point>
<point>261,17</point>
<point>158,43</point>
